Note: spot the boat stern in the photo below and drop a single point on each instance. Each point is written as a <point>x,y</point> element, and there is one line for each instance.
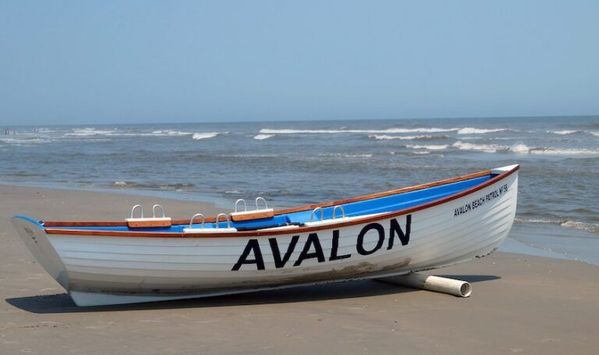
<point>34,236</point>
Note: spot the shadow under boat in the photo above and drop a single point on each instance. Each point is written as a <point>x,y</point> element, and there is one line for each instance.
<point>62,303</point>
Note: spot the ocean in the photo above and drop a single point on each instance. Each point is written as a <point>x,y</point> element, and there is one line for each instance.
<point>291,163</point>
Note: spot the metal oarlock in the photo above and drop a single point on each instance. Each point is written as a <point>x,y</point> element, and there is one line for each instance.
<point>340,208</point>
<point>217,228</point>
<point>314,211</point>
<point>157,207</point>
<point>245,206</point>
<point>226,219</point>
<point>208,230</point>
<point>196,216</point>
<point>141,211</point>
<point>322,221</point>
<point>258,199</point>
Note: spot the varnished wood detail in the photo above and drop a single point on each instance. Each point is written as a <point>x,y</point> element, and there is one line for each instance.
<point>288,210</point>
<point>149,223</point>
<point>386,193</point>
<point>250,215</point>
<point>258,233</point>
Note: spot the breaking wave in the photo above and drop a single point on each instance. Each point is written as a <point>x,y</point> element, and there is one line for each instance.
<point>523,149</point>
<point>588,227</point>
<point>388,137</point>
<point>86,132</point>
<point>464,130</point>
<point>367,131</point>
<point>25,140</point>
<point>471,130</point>
<point>556,151</point>
<point>262,137</point>
<point>572,131</point>
<point>563,132</point>
<point>204,135</point>
<point>169,132</point>
<point>428,147</point>
<point>519,148</point>
<point>487,148</point>
<point>90,132</point>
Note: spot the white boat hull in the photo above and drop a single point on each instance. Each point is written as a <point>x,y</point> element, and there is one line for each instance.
<point>98,270</point>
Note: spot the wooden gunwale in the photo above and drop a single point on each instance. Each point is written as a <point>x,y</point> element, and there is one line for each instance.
<point>146,234</point>
<point>308,207</point>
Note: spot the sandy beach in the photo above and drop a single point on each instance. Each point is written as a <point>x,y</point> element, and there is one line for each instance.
<point>520,304</point>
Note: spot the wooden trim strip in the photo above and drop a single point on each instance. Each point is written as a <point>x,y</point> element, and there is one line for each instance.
<point>287,210</point>
<point>279,232</point>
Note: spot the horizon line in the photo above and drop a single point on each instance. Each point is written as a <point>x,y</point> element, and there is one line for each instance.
<point>307,120</point>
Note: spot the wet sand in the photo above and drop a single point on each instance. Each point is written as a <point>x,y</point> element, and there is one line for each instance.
<point>520,304</point>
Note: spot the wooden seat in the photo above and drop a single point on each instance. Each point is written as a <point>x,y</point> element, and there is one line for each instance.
<point>149,222</point>
<point>258,213</point>
<point>255,214</point>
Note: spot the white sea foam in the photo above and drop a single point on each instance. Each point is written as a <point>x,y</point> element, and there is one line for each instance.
<point>589,227</point>
<point>595,133</point>
<point>388,137</point>
<point>565,151</point>
<point>158,133</point>
<point>537,220</point>
<point>384,137</point>
<point>25,140</point>
<point>563,132</point>
<point>357,156</point>
<point>367,131</point>
<point>487,148</point>
<point>262,137</point>
<point>492,148</point>
<point>46,130</point>
<point>466,138</point>
<point>464,130</point>
<point>428,146</point>
<point>169,132</point>
<point>471,130</point>
<point>204,135</point>
<point>521,148</point>
<point>89,131</point>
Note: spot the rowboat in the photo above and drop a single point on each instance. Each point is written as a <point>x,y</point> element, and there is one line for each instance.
<point>395,232</point>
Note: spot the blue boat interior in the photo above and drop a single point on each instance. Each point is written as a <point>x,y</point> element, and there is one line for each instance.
<point>384,204</point>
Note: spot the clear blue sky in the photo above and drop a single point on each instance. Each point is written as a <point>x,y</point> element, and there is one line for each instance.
<point>179,61</point>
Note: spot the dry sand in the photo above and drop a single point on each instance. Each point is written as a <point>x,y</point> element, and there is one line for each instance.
<point>520,304</point>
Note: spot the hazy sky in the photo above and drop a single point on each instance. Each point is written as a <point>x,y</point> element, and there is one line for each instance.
<point>179,61</point>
